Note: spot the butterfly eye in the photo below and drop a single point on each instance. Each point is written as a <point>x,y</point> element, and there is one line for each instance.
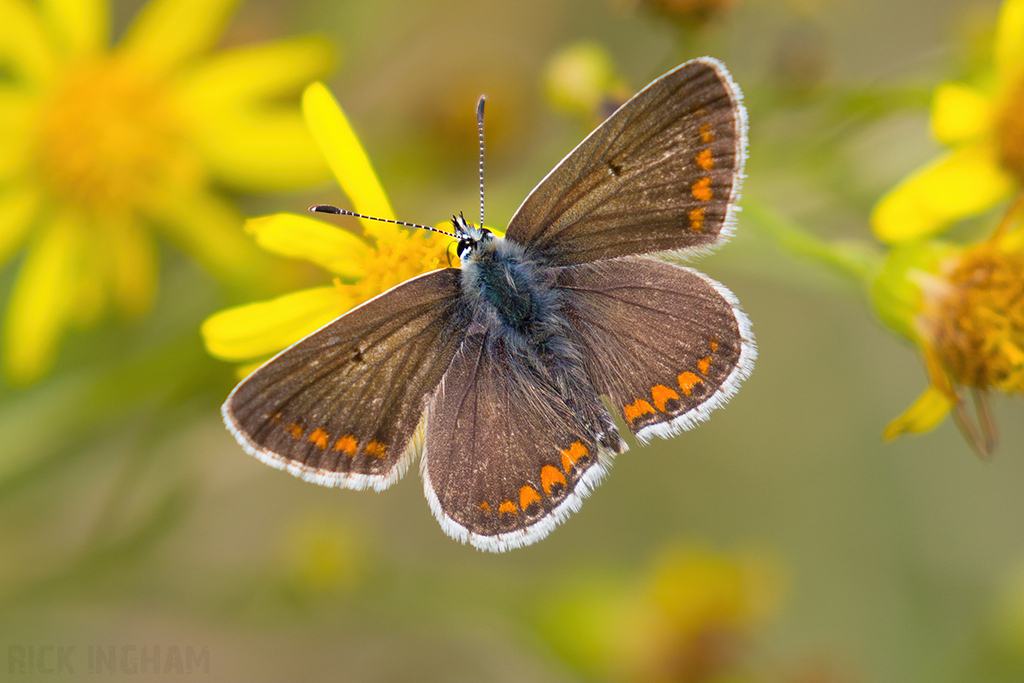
<point>466,244</point>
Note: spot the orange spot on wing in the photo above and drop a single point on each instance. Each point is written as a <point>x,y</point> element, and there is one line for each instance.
<point>697,220</point>
<point>485,506</point>
<point>528,496</point>
<point>706,134</point>
<point>376,448</point>
<point>714,346</point>
<point>662,395</point>
<point>295,429</point>
<point>508,506</point>
<point>549,477</point>
<point>572,455</point>
<point>703,364</point>
<point>347,445</point>
<point>687,381</point>
<point>319,437</point>
<point>701,190</point>
<point>636,409</point>
<point>705,160</point>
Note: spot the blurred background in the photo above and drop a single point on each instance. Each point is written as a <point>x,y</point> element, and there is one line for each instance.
<point>783,540</point>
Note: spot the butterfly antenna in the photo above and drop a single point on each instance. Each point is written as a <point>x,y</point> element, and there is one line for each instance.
<point>327,208</point>
<point>480,133</point>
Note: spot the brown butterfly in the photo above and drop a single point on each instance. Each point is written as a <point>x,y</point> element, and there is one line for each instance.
<point>493,372</point>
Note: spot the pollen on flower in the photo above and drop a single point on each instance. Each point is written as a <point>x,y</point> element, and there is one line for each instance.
<point>108,140</point>
<point>398,258</point>
<point>977,321</point>
<point>1010,134</point>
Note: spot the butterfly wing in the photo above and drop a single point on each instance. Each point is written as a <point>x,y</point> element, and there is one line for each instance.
<point>505,457</point>
<point>661,174</point>
<point>667,344</point>
<point>341,407</point>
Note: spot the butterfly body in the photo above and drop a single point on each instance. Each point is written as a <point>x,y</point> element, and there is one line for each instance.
<point>505,286</point>
<point>493,372</point>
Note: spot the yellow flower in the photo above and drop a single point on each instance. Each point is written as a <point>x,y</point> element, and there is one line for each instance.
<point>697,615</point>
<point>983,126</point>
<point>102,147</point>
<point>363,265</point>
<point>582,79</point>
<point>690,617</point>
<point>321,557</point>
<point>964,308</point>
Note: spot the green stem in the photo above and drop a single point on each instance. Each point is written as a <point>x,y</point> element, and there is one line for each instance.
<point>854,260</point>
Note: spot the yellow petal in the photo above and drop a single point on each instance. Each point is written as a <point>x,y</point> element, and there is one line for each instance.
<point>166,33</point>
<point>91,296</point>
<point>131,264</point>
<point>24,46</point>
<point>345,154</point>
<point>18,206</point>
<point>1009,43</point>
<point>248,136</point>
<point>40,305</point>
<point>249,75</point>
<point>960,113</point>
<point>962,183</point>
<point>263,328</point>
<point>260,152</point>
<point>210,229</point>
<point>926,413</point>
<point>17,114</point>
<point>303,237</point>
<point>81,27</point>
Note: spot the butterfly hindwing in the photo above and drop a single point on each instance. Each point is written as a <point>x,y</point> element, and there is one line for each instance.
<point>341,407</point>
<point>661,174</point>
<point>667,344</point>
<point>506,458</point>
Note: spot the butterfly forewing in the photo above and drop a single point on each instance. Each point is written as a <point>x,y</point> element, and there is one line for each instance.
<point>341,407</point>
<point>661,174</point>
<point>667,344</point>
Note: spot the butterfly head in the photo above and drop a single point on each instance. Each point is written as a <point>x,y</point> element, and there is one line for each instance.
<point>469,236</point>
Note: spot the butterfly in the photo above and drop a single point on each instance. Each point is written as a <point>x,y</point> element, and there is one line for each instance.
<point>493,372</point>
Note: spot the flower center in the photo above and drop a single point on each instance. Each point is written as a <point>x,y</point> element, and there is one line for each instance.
<point>109,141</point>
<point>1010,134</point>
<point>978,324</point>
<point>398,257</point>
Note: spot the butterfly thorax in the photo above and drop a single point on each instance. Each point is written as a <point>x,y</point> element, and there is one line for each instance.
<point>508,287</point>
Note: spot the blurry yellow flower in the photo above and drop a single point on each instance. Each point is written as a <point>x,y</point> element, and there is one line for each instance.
<point>322,556</point>
<point>363,265</point>
<point>697,615</point>
<point>99,146</point>
<point>691,617</point>
<point>582,79</point>
<point>964,308</point>
<point>984,127</point>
